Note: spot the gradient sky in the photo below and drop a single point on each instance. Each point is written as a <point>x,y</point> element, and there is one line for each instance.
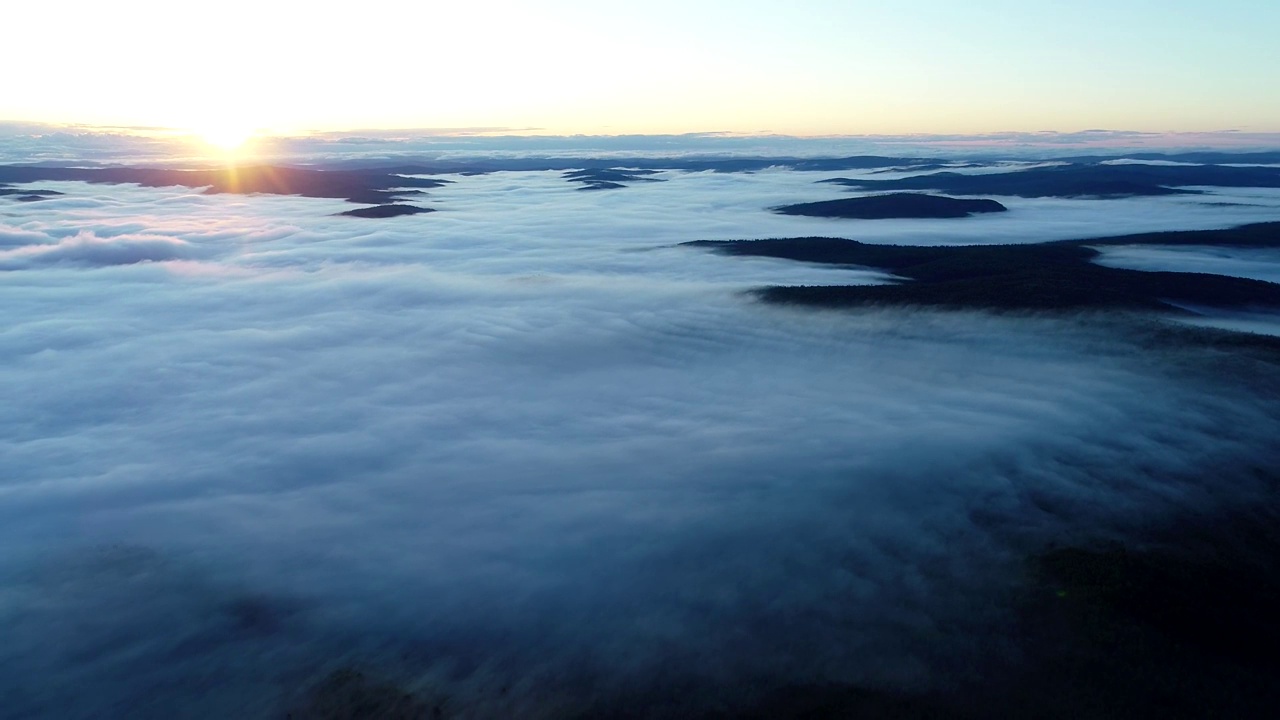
<point>660,66</point>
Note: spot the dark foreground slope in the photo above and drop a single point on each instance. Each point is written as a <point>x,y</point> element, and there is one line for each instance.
<point>1179,626</point>
<point>1051,276</point>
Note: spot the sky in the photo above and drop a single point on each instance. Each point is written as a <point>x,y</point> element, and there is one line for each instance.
<point>816,67</point>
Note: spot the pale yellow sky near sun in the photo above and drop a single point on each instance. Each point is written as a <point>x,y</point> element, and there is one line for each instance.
<point>806,68</point>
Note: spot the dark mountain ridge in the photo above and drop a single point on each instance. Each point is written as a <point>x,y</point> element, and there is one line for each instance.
<point>1094,180</point>
<point>894,205</point>
<point>1048,276</point>
<point>358,186</point>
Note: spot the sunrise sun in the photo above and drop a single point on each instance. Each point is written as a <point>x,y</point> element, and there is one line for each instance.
<point>227,138</point>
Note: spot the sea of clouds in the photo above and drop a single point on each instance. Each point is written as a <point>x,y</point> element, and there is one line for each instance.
<point>24,142</point>
<point>525,456</point>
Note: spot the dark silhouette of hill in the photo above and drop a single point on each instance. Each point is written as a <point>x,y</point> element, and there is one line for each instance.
<point>382,181</point>
<point>359,186</point>
<point>1206,157</point>
<point>695,163</point>
<point>1050,276</point>
<point>689,163</point>
<point>612,175</point>
<point>927,167</point>
<point>609,178</point>
<point>1256,235</point>
<point>386,211</point>
<point>1080,180</point>
<point>896,205</point>
<point>26,195</point>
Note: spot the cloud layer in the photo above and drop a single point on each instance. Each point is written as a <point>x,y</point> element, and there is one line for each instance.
<point>523,454</point>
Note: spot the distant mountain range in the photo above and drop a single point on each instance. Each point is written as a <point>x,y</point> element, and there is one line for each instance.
<point>382,184</point>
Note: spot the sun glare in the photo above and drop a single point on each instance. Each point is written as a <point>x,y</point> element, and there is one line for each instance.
<point>226,138</point>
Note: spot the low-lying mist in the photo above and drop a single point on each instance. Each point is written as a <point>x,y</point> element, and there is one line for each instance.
<point>524,459</point>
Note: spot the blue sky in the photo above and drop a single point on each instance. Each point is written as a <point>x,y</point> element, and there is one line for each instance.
<point>808,68</point>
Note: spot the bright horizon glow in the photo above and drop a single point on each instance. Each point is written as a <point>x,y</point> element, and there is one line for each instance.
<point>817,68</point>
<point>227,138</point>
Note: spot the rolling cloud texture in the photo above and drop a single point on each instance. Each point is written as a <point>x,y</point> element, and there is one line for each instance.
<point>525,456</point>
